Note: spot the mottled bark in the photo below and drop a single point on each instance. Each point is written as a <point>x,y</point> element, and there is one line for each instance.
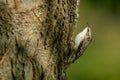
<point>36,38</point>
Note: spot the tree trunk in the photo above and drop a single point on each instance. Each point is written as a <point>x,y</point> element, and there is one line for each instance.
<point>36,39</point>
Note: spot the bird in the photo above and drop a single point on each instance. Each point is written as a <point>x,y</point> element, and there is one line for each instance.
<point>83,38</point>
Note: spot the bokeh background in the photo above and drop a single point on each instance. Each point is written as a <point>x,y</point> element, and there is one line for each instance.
<point>101,60</point>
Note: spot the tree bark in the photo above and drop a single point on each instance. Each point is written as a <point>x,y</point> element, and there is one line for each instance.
<point>36,40</point>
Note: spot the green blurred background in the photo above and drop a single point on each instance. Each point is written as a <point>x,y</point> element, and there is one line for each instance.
<point>101,60</point>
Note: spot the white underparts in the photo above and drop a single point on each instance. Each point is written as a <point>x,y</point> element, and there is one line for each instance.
<point>84,35</point>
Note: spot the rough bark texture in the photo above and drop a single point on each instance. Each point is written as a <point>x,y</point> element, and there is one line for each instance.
<point>36,38</point>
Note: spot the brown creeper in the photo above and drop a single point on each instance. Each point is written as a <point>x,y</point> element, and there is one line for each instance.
<point>83,38</point>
